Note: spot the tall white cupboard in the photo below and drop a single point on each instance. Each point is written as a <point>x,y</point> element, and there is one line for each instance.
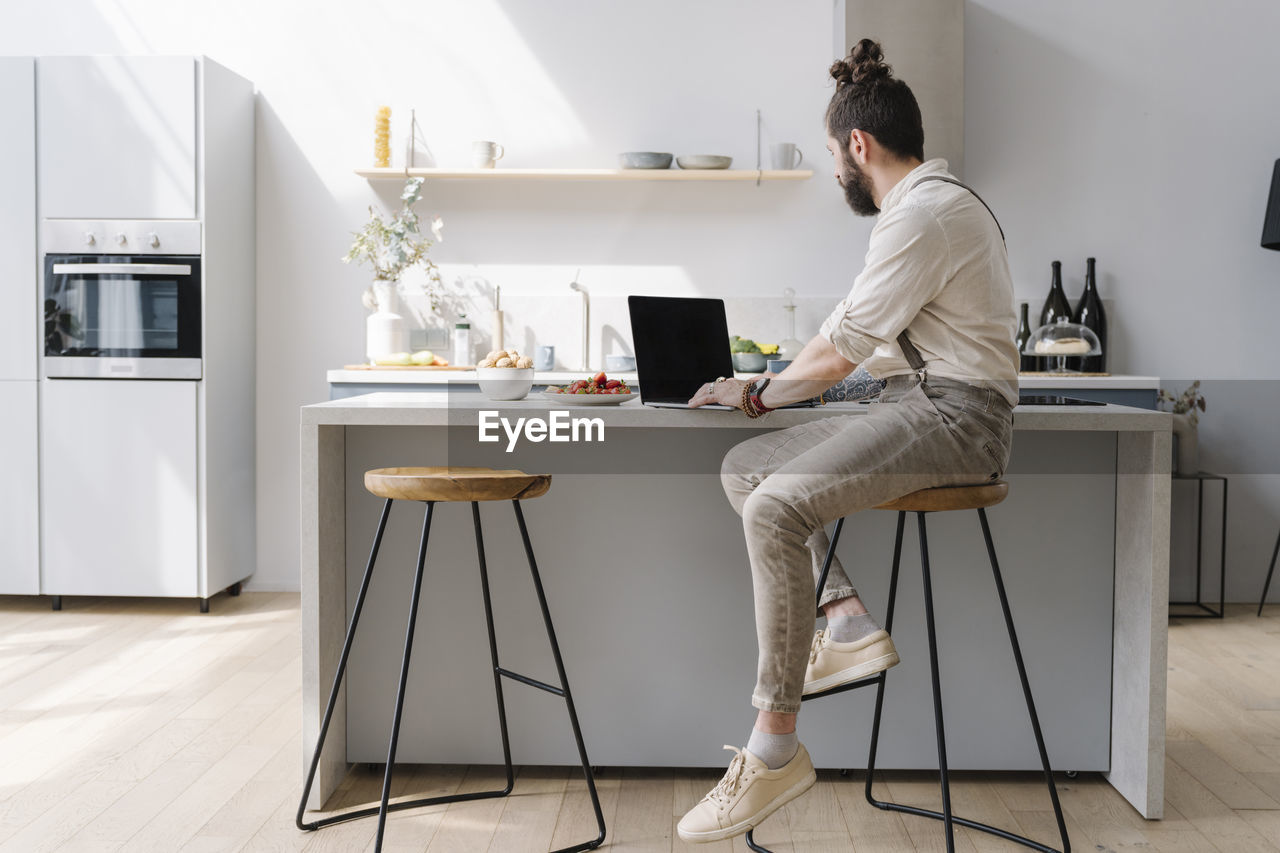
<point>19,322</point>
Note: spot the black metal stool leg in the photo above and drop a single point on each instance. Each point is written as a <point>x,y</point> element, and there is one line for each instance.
<point>493,653</point>
<point>1026,684</point>
<point>888,626</point>
<point>564,689</point>
<point>337,680</point>
<point>404,676</point>
<point>826,562</point>
<point>937,685</point>
<point>1271,571</point>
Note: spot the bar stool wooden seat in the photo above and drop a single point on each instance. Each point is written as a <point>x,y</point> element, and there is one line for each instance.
<point>941,499</point>
<point>432,485</point>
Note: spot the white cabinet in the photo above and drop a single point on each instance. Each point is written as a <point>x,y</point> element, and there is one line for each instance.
<point>119,498</point>
<point>117,137</point>
<point>19,524</point>
<point>19,321</point>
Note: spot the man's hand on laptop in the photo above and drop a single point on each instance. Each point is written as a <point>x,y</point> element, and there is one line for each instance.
<point>725,391</point>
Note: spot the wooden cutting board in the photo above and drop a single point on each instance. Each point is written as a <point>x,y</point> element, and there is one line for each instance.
<point>403,367</point>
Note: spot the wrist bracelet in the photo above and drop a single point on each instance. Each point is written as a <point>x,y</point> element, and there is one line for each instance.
<point>758,394</point>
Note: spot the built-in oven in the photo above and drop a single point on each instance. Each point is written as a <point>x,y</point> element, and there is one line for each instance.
<point>122,299</point>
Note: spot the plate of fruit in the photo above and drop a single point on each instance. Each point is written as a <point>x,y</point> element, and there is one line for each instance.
<point>598,390</point>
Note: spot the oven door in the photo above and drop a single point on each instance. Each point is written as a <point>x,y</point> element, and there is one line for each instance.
<point>122,316</point>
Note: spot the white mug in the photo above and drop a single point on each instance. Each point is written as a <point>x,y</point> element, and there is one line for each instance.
<point>485,154</point>
<point>785,156</point>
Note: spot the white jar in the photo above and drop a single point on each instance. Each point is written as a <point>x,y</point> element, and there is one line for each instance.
<point>384,328</point>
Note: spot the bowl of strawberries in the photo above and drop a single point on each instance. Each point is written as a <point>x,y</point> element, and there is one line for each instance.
<point>592,391</point>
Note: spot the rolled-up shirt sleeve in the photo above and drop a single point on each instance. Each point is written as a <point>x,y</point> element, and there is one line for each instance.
<point>908,262</point>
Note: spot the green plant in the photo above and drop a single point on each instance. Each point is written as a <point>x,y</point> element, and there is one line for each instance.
<point>390,247</point>
<point>1189,402</point>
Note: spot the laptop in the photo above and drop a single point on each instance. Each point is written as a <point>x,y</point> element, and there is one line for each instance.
<point>681,343</point>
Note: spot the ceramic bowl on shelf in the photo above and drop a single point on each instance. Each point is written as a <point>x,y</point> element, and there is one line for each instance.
<point>616,363</point>
<point>704,161</point>
<point>749,362</point>
<point>644,160</point>
<point>505,383</point>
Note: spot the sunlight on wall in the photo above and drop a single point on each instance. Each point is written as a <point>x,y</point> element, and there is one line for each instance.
<point>461,64</point>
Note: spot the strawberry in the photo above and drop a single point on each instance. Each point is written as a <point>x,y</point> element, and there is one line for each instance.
<point>613,383</point>
<point>600,378</point>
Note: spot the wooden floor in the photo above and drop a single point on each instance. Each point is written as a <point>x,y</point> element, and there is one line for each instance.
<point>144,725</point>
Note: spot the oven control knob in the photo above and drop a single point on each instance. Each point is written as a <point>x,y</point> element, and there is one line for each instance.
<point>121,239</point>
<point>89,239</point>
<point>153,240</point>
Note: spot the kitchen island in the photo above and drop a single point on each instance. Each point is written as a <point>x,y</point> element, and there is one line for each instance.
<point>647,577</point>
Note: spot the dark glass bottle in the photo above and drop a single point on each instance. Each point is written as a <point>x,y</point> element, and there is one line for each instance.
<point>1056,307</point>
<point>1025,362</point>
<point>1089,313</point>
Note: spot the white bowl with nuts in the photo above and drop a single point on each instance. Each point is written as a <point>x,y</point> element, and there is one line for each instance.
<point>505,375</point>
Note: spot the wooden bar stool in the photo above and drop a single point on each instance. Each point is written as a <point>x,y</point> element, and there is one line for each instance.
<point>923,502</point>
<point>431,486</point>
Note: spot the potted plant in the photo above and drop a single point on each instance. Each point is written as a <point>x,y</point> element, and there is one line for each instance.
<point>390,248</point>
<point>1186,415</point>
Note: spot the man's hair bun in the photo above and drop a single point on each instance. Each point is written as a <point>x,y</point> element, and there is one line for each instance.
<point>865,66</point>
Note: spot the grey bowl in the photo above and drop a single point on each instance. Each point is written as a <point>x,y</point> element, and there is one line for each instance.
<point>704,161</point>
<point>620,362</point>
<point>748,362</point>
<point>644,160</point>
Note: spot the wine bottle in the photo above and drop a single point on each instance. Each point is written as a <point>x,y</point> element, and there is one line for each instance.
<point>1025,362</point>
<point>1056,307</point>
<point>1089,313</point>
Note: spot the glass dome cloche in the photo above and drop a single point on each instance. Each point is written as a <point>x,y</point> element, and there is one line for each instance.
<point>1060,341</point>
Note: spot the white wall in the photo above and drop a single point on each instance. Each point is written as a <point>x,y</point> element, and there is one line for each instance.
<point>1144,133</point>
<point>1132,132</point>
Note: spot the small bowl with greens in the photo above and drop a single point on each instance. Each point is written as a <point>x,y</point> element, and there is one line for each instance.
<point>749,356</point>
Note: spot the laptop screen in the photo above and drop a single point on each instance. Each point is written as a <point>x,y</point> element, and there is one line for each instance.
<point>680,343</point>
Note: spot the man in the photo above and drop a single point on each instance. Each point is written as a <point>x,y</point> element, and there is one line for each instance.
<point>936,270</point>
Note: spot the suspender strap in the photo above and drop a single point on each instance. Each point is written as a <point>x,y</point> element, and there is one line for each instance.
<point>909,350</point>
<point>963,187</point>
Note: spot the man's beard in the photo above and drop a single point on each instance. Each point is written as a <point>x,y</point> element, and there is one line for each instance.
<point>857,188</point>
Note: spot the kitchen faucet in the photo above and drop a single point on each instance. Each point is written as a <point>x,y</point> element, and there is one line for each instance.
<point>586,320</point>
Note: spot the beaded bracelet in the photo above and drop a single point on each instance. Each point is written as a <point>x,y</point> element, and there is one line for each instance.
<point>747,408</point>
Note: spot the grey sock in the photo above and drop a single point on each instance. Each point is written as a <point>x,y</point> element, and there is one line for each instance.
<point>773,750</point>
<point>847,629</point>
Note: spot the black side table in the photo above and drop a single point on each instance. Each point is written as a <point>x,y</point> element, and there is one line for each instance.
<point>1205,611</point>
<point>1271,571</point>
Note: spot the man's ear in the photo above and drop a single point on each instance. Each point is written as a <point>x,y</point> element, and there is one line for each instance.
<point>859,146</point>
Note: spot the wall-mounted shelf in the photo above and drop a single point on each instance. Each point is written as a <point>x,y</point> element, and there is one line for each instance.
<point>500,174</point>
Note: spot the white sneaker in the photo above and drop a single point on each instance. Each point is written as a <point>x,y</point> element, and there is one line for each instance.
<point>832,664</point>
<point>748,793</point>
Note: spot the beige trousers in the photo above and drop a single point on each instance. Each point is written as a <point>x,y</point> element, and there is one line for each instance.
<point>788,484</point>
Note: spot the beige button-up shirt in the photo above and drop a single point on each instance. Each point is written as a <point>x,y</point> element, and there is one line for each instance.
<point>936,266</point>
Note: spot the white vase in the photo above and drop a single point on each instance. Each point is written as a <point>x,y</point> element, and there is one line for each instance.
<point>384,328</point>
<point>1187,460</point>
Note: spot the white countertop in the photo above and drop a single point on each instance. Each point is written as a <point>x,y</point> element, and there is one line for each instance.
<point>461,408</point>
<point>553,377</point>
<point>449,377</point>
